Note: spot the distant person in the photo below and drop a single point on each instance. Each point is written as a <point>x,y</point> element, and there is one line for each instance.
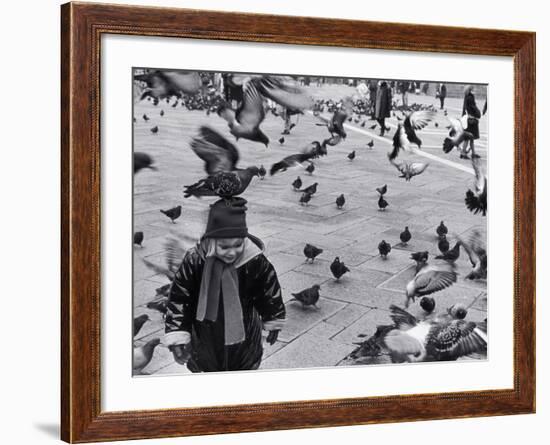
<point>441,94</point>
<point>403,89</point>
<point>485,107</point>
<point>383,106</point>
<point>373,87</point>
<point>472,114</point>
<point>425,87</point>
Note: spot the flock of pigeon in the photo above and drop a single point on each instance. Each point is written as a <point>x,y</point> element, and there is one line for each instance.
<point>446,336</point>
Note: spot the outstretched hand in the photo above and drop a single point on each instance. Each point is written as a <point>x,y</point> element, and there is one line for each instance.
<point>272,336</point>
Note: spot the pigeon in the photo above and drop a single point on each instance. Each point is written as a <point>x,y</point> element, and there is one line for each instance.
<point>220,162</point>
<point>309,296</point>
<point>336,124</point>
<point>410,169</point>
<point>138,238</point>
<point>311,252</point>
<point>139,322</point>
<point>162,112</point>
<point>340,201</point>
<point>458,311</point>
<point>405,236</point>
<point>262,172</point>
<point>430,279</point>
<point>476,200</point>
<point>338,268</point>
<point>441,230</point>
<point>382,203</point>
<point>436,125</point>
<point>477,253</point>
<point>371,143</point>
<point>305,198</point>
<point>173,213</point>
<point>310,168</point>
<point>311,189</point>
<point>451,255</point>
<point>155,129</point>
<point>164,84</point>
<point>363,123</point>
<point>421,259</point>
<point>457,135</point>
<point>351,156</point>
<point>382,190</point>
<point>297,184</point>
<point>290,161</point>
<point>405,134</point>
<point>384,248</point>
<point>281,140</point>
<point>144,354</point>
<point>245,121</point>
<point>372,127</point>
<point>175,104</point>
<point>145,118</point>
<point>174,251</point>
<point>142,160</point>
<point>435,339</point>
<point>427,304</point>
<point>443,244</point>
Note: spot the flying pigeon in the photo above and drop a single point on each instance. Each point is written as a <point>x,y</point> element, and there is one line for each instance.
<point>164,84</point>
<point>435,339</point>
<point>410,169</point>
<point>405,134</point>
<point>220,162</point>
<point>476,200</point>
<point>139,322</point>
<point>457,135</point>
<point>430,279</point>
<point>477,253</point>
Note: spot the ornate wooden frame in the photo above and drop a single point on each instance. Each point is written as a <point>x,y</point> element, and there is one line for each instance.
<point>81,28</point>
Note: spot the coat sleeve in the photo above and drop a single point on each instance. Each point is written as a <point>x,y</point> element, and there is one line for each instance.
<point>182,301</point>
<point>268,299</point>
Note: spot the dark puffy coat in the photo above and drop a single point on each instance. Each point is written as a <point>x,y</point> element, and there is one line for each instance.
<point>470,108</point>
<point>383,101</point>
<point>261,301</point>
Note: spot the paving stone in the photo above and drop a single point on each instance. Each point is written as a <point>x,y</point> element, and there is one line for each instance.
<point>347,315</point>
<point>396,261</point>
<point>308,351</point>
<point>301,319</point>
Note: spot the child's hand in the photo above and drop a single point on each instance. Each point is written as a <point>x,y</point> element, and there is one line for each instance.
<point>272,336</point>
<point>181,353</point>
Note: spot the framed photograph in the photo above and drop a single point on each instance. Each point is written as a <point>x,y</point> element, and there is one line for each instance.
<point>274,222</point>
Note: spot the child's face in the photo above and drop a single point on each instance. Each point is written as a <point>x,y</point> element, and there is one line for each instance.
<point>229,249</point>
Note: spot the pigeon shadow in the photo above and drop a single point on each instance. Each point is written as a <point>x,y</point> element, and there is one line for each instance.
<point>49,429</point>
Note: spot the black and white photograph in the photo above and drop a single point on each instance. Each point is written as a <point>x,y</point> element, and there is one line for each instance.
<point>289,221</point>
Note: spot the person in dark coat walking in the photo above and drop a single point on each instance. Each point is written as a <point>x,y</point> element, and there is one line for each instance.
<point>383,106</point>
<point>471,112</point>
<point>441,94</point>
<point>373,88</point>
<point>223,295</point>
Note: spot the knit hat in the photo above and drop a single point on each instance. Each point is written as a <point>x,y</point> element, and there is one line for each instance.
<point>227,219</point>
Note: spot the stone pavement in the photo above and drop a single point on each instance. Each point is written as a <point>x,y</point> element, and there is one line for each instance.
<point>360,301</point>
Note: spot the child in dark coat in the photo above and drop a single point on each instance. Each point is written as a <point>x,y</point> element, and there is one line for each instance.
<point>224,294</point>
<point>472,114</point>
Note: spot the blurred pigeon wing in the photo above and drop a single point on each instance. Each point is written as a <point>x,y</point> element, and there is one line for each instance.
<point>418,167</point>
<point>402,343</point>
<point>217,152</point>
<point>189,83</point>
<point>419,119</point>
<point>251,113</point>
<point>285,92</point>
